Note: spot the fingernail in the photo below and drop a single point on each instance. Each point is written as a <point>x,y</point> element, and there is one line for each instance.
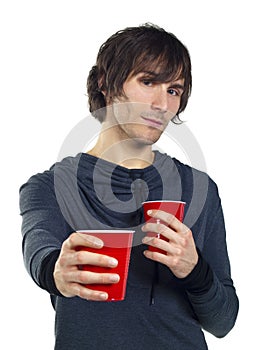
<point>113,262</point>
<point>104,296</point>
<point>114,278</point>
<point>98,244</point>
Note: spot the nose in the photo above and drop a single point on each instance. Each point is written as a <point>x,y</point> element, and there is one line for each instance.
<point>160,101</point>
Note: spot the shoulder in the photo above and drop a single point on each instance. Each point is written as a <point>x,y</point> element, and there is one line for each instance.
<point>191,175</point>
<point>192,179</point>
<point>199,191</point>
<point>42,185</point>
<point>201,195</point>
<point>47,176</point>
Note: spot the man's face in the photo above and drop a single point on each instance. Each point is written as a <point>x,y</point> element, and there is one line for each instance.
<point>148,107</point>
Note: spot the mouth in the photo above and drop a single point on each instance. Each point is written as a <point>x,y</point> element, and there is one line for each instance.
<point>156,123</point>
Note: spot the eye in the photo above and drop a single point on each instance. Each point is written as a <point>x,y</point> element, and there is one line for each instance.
<point>147,82</point>
<point>173,92</point>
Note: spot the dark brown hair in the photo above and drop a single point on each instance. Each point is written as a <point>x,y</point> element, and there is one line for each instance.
<point>134,50</point>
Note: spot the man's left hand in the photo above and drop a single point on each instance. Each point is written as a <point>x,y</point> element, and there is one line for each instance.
<point>181,255</point>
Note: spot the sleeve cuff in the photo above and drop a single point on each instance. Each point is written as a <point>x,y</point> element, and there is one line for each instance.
<point>46,278</point>
<point>200,280</point>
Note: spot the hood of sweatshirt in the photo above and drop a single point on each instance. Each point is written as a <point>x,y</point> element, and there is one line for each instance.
<point>96,194</point>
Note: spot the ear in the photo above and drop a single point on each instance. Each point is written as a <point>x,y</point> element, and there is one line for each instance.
<point>100,85</point>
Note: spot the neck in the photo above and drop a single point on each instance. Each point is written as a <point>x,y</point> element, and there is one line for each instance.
<point>118,149</point>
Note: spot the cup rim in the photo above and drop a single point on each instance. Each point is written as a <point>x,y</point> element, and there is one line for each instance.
<point>105,231</point>
<point>164,201</point>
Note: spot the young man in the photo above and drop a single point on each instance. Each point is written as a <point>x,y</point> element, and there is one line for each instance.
<point>140,83</point>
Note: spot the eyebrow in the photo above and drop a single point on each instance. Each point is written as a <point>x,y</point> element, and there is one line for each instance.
<point>177,86</point>
<point>150,73</point>
<point>154,75</point>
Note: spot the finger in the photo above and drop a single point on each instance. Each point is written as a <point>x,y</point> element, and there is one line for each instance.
<point>169,219</point>
<point>162,244</point>
<point>81,239</point>
<point>82,257</point>
<point>161,229</point>
<point>87,277</point>
<point>156,256</point>
<point>175,238</point>
<point>88,294</point>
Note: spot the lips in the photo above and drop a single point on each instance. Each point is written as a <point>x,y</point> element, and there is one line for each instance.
<point>156,123</point>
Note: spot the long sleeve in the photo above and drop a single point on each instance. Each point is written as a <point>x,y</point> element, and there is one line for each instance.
<point>43,226</point>
<point>215,304</point>
<point>217,307</point>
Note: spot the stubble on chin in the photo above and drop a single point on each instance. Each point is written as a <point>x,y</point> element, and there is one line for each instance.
<point>144,135</point>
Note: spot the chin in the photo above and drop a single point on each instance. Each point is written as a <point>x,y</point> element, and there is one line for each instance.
<point>147,141</point>
<point>143,135</point>
<point>152,137</point>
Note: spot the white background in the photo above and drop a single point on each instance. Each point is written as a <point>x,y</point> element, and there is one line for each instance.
<point>47,49</point>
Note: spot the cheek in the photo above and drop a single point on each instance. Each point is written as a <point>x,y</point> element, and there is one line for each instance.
<point>138,95</point>
<point>129,111</point>
<point>121,111</point>
<point>173,106</point>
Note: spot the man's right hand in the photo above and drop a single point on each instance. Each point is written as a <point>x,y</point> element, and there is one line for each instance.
<point>70,279</point>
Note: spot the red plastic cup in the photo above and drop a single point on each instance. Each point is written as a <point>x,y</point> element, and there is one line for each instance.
<point>117,244</point>
<point>173,207</point>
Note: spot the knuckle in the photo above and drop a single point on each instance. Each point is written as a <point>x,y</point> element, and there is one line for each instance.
<point>174,262</point>
<point>80,257</point>
<point>186,230</point>
<point>82,277</point>
<point>63,259</point>
<point>173,221</point>
<point>62,275</point>
<point>162,229</point>
<point>64,287</point>
<point>102,260</point>
<point>65,245</point>
<point>82,292</point>
<point>71,239</point>
<point>154,241</point>
<point>154,255</point>
<point>104,278</point>
<point>184,242</point>
<point>179,252</point>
